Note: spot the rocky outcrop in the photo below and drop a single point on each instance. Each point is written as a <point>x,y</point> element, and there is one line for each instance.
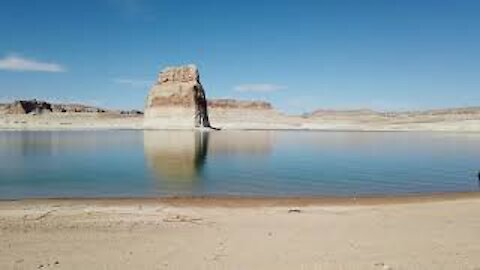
<point>27,107</point>
<point>131,112</point>
<point>40,107</point>
<point>179,96</point>
<point>178,101</point>
<point>77,108</point>
<point>239,104</point>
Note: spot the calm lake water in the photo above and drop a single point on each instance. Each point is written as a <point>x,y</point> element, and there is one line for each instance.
<point>245,163</point>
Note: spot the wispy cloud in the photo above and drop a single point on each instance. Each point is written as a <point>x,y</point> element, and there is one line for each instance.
<point>259,88</point>
<point>133,82</point>
<point>18,63</point>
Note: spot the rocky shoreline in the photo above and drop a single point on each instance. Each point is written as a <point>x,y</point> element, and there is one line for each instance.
<point>247,118</point>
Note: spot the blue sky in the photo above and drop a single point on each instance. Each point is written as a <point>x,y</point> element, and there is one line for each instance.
<point>300,55</point>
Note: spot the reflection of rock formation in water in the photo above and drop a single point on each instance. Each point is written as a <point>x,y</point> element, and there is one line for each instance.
<point>240,142</point>
<point>180,155</point>
<point>176,155</point>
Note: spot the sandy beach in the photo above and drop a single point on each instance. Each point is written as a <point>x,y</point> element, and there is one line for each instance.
<point>384,233</point>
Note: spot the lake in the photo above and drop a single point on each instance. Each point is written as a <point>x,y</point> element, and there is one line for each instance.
<point>45,164</point>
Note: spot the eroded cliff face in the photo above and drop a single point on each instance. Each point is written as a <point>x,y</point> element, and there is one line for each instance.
<point>177,99</point>
<point>34,106</point>
<point>239,104</point>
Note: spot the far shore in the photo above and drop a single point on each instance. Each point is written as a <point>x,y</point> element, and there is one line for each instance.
<point>85,121</point>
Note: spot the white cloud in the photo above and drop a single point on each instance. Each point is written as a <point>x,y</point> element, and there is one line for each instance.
<point>259,88</point>
<point>17,63</point>
<point>133,82</point>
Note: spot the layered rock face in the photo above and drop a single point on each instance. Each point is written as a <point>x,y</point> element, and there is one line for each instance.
<point>34,106</point>
<point>239,104</point>
<point>177,99</point>
<point>27,106</point>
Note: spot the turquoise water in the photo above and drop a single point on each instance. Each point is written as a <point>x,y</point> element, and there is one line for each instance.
<point>239,163</point>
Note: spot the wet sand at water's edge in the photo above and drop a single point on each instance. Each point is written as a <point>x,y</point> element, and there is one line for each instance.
<point>429,232</point>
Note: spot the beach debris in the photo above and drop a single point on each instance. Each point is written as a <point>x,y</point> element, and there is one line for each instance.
<point>45,215</point>
<point>294,210</point>
<point>384,266</point>
<point>182,218</point>
<point>42,216</point>
<point>40,266</point>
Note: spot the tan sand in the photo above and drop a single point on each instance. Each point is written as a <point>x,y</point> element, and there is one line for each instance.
<point>423,233</point>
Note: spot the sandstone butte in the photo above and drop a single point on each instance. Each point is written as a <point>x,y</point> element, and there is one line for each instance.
<point>178,100</point>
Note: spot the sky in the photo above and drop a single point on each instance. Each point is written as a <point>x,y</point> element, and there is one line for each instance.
<point>298,54</point>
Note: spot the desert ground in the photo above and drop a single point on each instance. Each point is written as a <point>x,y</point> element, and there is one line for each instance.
<point>390,233</point>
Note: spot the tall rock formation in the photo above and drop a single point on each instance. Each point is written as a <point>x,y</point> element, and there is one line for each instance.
<point>177,99</point>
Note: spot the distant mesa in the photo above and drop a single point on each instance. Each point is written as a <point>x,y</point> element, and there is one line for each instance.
<point>239,104</point>
<point>471,112</point>
<point>27,106</point>
<point>34,106</point>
